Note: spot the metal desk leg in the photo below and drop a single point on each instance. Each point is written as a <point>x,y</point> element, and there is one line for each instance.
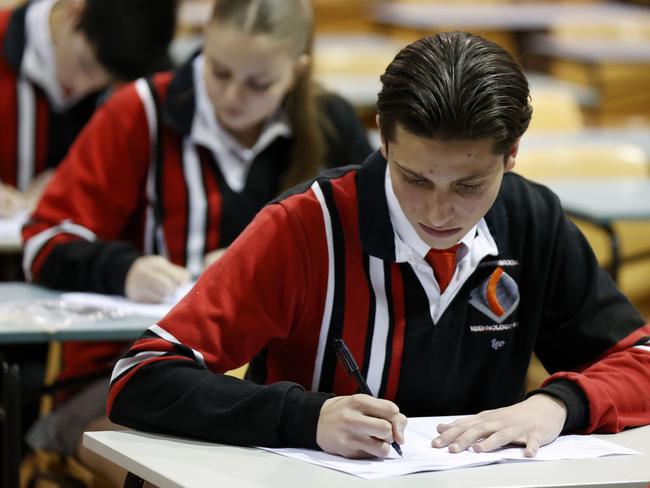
<point>10,416</point>
<point>133,481</point>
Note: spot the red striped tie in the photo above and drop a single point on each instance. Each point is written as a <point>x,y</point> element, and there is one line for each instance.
<point>443,262</point>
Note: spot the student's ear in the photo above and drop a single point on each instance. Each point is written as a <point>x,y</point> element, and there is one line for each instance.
<point>302,65</point>
<point>511,156</point>
<point>384,147</point>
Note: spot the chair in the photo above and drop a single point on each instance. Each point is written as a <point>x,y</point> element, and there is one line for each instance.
<point>555,109</point>
<point>601,161</point>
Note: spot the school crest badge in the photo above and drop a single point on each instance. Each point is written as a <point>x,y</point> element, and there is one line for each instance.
<point>497,297</point>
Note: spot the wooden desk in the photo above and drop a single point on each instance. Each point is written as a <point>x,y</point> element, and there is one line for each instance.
<point>618,70</point>
<point>603,202</point>
<point>125,328</point>
<point>526,16</point>
<point>636,136</point>
<point>173,462</point>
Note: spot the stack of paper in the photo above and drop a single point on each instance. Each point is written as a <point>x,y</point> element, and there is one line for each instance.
<point>420,456</point>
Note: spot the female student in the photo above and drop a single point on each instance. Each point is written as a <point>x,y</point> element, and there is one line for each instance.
<point>170,170</point>
<point>441,269</point>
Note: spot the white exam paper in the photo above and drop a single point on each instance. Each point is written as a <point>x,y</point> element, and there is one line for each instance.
<point>126,306</point>
<point>10,228</point>
<point>420,456</point>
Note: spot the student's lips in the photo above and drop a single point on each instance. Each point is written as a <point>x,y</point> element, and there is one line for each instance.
<point>233,113</point>
<point>432,231</point>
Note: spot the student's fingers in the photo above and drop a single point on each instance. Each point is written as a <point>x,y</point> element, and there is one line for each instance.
<point>460,437</point>
<point>11,201</point>
<point>498,439</point>
<point>535,421</point>
<point>449,432</point>
<point>178,274</point>
<point>383,409</point>
<point>374,407</point>
<point>370,447</point>
<point>147,280</point>
<point>399,426</point>
<point>345,428</point>
<point>532,445</point>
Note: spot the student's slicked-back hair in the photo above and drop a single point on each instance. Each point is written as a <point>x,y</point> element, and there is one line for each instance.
<point>290,21</point>
<point>130,37</point>
<point>455,86</point>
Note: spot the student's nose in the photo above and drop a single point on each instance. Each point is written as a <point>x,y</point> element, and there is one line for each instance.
<point>233,93</point>
<point>440,209</point>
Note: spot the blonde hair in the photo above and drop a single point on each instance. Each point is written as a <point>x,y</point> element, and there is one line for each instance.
<point>291,21</point>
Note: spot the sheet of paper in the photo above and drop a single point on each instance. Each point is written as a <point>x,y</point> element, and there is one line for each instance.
<point>420,456</point>
<point>10,227</point>
<point>126,306</point>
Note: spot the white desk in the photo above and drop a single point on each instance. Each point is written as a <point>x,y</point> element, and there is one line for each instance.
<point>173,462</point>
<point>604,202</point>
<point>124,328</point>
<point>109,329</point>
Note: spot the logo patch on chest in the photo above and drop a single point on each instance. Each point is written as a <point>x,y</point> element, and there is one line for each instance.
<point>497,297</point>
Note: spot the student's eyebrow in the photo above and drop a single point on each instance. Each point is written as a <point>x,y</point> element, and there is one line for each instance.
<point>258,77</point>
<point>408,171</point>
<point>464,179</point>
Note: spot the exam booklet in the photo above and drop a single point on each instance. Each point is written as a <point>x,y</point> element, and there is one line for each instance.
<point>420,456</point>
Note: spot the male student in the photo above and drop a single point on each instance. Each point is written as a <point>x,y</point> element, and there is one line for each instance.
<point>441,269</point>
<point>56,56</point>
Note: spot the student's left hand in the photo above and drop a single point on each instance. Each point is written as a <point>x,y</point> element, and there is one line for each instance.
<point>535,422</point>
<point>11,201</point>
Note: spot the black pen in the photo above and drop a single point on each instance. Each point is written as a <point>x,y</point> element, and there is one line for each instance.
<point>350,365</point>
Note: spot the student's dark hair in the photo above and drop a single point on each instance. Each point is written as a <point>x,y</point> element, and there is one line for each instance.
<point>455,86</point>
<point>130,37</point>
<point>291,21</point>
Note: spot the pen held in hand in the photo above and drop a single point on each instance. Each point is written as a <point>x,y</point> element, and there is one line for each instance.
<point>345,357</point>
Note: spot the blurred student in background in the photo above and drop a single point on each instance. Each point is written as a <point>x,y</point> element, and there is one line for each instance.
<point>171,169</point>
<point>56,58</point>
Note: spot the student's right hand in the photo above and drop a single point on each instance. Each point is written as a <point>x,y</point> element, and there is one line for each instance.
<point>153,279</point>
<point>359,426</point>
<point>11,201</point>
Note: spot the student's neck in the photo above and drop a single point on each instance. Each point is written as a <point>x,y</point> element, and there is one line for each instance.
<point>247,137</point>
<point>55,22</point>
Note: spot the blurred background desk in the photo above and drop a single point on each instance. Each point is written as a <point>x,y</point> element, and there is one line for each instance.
<point>605,202</point>
<point>20,332</point>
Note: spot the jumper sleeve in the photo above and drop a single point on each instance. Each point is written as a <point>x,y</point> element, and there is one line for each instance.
<point>592,340</point>
<point>171,380</point>
<point>73,239</point>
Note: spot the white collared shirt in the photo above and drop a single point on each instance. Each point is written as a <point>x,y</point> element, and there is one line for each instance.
<point>409,247</point>
<point>234,159</point>
<point>39,59</point>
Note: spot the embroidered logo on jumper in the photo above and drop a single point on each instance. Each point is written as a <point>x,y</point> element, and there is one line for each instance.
<point>497,297</point>
<point>496,344</point>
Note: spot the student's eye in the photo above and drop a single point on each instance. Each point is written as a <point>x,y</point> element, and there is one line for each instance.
<point>471,188</point>
<point>257,86</point>
<point>414,180</point>
<point>221,74</point>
